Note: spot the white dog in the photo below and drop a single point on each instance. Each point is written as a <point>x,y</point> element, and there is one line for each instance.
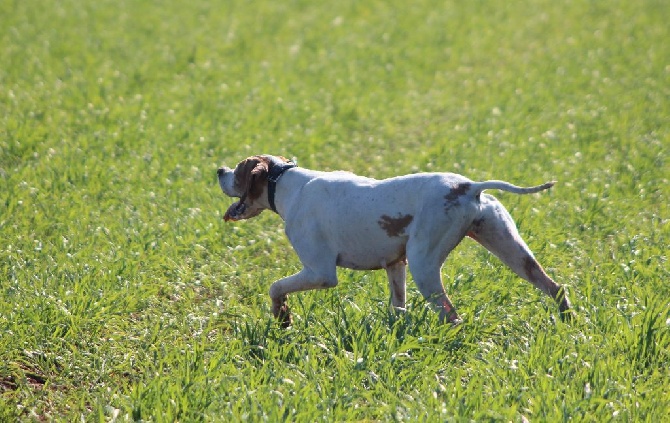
<point>340,219</point>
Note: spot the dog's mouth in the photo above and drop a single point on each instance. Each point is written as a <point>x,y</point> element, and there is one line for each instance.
<point>235,211</point>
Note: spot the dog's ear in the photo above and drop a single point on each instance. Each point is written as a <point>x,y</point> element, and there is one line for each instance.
<point>251,177</point>
<point>258,179</point>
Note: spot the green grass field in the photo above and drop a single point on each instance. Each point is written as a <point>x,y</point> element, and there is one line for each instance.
<point>125,297</point>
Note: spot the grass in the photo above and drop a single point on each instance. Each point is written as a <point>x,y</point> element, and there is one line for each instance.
<point>126,298</point>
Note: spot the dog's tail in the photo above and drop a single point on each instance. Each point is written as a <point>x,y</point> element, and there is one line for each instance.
<point>478,187</point>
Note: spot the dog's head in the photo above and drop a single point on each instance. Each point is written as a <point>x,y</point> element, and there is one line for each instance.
<point>248,182</point>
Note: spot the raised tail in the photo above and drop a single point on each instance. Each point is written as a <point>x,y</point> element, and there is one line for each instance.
<point>478,187</point>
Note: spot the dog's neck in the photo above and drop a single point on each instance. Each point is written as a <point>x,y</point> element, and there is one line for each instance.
<point>275,172</point>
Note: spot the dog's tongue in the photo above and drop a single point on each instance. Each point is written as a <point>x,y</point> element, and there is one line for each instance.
<point>234,211</point>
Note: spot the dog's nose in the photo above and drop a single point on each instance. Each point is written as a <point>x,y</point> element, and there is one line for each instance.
<point>220,171</point>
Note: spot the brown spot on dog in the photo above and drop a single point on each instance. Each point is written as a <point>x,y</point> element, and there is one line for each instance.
<point>475,228</point>
<point>457,191</point>
<point>530,266</point>
<point>477,223</point>
<point>395,226</point>
<point>452,198</point>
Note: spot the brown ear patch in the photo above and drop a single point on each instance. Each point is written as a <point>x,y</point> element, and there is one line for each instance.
<point>395,226</point>
<point>251,177</point>
<point>242,174</point>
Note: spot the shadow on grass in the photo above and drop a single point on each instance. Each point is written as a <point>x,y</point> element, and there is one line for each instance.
<point>345,328</point>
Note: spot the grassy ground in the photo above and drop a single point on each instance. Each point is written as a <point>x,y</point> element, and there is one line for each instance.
<point>125,297</point>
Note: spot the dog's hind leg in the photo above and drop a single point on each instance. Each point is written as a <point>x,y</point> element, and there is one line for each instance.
<point>429,282</point>
<point>425,262</point>
<point>494,229</point>
<point>397,274</point>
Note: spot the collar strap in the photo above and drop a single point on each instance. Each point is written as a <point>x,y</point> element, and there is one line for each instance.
<point>277,169</point>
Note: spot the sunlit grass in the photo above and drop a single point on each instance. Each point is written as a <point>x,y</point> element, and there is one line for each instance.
<point>125,296</point>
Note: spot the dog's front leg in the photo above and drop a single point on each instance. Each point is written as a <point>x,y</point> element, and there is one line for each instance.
<point>304,280</point>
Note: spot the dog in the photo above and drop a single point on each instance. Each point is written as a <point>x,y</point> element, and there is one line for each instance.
<point>341,219</point>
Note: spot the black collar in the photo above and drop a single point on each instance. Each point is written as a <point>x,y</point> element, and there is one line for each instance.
<point>277,169</point>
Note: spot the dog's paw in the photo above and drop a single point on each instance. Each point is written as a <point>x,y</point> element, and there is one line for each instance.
<point>567,316</point>
<point>456,322</point>
<point>285,318</point>
<point>281,312</point>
